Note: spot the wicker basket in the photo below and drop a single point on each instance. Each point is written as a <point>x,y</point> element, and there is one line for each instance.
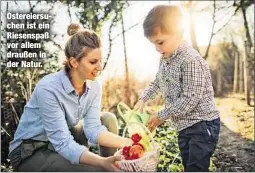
<point>147,163</point>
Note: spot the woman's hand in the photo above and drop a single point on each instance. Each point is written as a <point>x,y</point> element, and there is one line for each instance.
<point>107,163</point>
<point>139,106</point>
<point>111,163</point>
<point>108,139</point>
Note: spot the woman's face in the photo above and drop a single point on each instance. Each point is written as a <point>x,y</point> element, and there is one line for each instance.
<point>89,67</point>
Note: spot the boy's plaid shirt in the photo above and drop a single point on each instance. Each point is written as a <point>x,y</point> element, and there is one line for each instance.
<point>185,83</point>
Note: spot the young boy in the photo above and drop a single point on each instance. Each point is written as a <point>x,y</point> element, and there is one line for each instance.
<point>184,80</point>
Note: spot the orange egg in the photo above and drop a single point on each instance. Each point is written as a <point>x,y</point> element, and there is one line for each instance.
<point>136,150</point>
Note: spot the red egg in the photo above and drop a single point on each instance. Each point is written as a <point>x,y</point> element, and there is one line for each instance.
<point>136,137</point>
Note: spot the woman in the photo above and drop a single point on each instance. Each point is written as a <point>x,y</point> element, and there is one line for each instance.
<point>50,135</point>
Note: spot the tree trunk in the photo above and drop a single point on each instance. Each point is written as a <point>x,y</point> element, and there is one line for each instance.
<point>247,77</point>
<point>241,75</point>
<point>246,26</point>
<point>236,72</point>
<point>247,58</point>
<point>127,93</point>
<point>192,31</point>
<point>219,80</point>
<point>212,33</point>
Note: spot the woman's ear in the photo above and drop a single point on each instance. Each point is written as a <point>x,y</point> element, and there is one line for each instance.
<point>73,62</point>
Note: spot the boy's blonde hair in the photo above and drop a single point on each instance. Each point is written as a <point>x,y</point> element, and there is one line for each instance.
<point>164,18</point>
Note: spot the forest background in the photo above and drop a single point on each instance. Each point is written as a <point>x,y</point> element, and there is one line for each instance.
<point>221,31</point>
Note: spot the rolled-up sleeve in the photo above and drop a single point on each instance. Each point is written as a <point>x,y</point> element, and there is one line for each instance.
<point>193,88</point>
<point>55,125</point>
<point>92,124</point>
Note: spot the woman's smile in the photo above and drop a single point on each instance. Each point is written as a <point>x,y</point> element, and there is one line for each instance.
<point>95,74</point>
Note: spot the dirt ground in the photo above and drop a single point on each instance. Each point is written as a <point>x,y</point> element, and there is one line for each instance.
<point>236,148</point>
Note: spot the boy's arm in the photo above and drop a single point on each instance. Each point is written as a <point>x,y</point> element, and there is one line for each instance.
<point>193,88</point>
<point>151,91</point>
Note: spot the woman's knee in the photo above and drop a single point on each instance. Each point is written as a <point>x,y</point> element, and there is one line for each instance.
<point>78,134</point>
<point>110,121</point>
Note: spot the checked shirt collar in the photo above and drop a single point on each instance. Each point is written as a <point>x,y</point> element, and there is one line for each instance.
<point>180,49</point>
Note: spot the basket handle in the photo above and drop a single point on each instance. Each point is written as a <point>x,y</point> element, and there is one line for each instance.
<point>134,113</point>
<point>123,105</point>
<point>144,127</point>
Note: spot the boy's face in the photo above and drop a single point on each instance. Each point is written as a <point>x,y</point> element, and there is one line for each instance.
<point>165,44</point>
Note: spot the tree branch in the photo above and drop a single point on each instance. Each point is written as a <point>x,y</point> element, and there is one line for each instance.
<point>32,7</point>
<point>212,34</point>
<point>56,44</point>
<point>223,26</point>
<point>110,39</point>
<point>16,117</point>
<point>125,30</point>
<point>69,12</point>
<point>5,131</point>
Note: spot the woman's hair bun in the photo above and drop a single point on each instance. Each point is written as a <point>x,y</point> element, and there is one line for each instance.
<point>73,28</point>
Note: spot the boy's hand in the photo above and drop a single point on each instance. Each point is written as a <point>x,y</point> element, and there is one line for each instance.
<point>153,122</point>
<point>139,106</point>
